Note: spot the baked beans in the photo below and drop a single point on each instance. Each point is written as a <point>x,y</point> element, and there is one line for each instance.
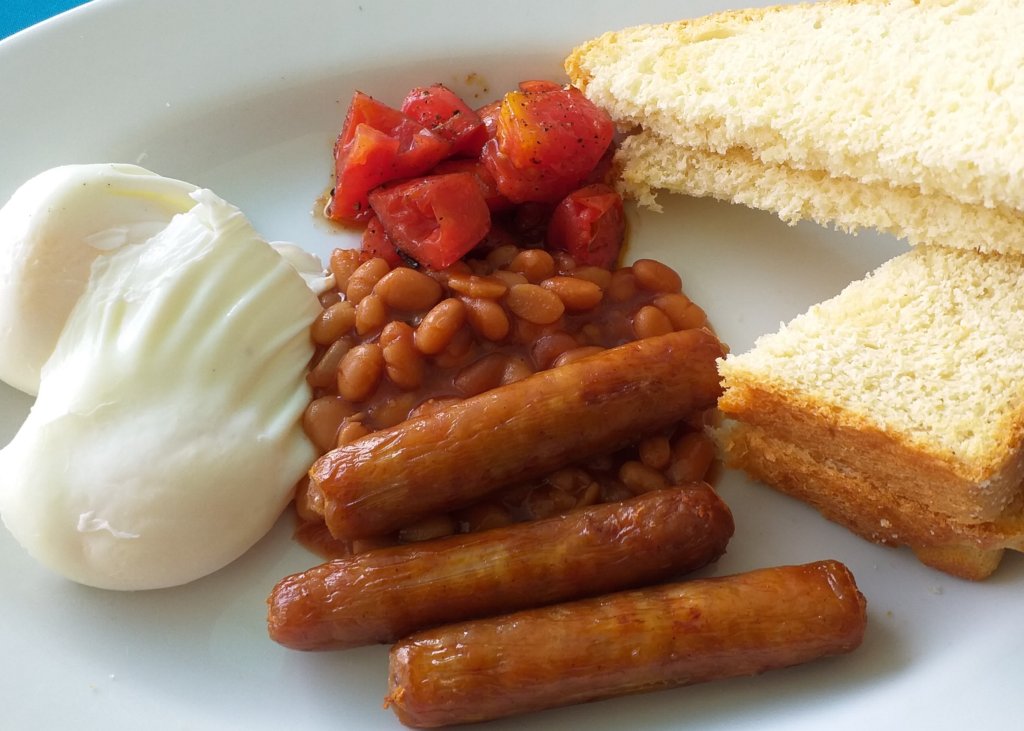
<point>343,263</point>
<point>639,478</point>
<point>408,290</point>
<point>487,318</point>
<point>482,375</point>
<point>548,348</point>
<point>575,354</point>
<point>457,351</point>
<point>596,275</point>
<point>473,285</point>
<point>693,454</point>
<point>535,304</point>
<point>655,452</point>
<point>360,371</point>
<point>510,278</point>
<point>500,256</point>
<point>371,314</point>
<point>577,295</point>
<point>403,362</point>
<point>437,328</point>
<point>325,372</point>
<point>365,277</point>
<point>681,311</point>
<point>534,264</point>
<point>649,322</point>
<point>622,286</point>
<point>336,320</point>
<point>323,419</point>
<point>398,343</point>
<point>516,369</point>
<point>655,276</point>
<point>349,431</point>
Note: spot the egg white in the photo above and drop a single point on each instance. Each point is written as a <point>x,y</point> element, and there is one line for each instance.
<point>166,437</point>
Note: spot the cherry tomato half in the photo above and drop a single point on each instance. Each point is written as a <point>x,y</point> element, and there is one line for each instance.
<point>590,225</point>
<point>435,219</point>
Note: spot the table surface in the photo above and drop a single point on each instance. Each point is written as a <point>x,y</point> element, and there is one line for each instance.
<point>16,15</point>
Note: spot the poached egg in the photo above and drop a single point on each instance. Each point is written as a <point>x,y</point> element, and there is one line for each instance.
<point>51,230</point>
<point>166,436</point>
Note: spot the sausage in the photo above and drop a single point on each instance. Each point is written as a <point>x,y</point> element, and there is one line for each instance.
<point>635,641</point>
<point>382,595</point>
<point>449,459</point>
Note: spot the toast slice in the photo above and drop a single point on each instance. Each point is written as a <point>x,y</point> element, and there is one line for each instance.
<point>896,408</point>
<point>647,162</point>
<point>899,115</point>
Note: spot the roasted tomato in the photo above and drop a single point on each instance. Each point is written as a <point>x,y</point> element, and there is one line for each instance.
<point>434,220</point>
<point>376,243</point>
<point>495,200</point>
<point>547,141</point>
<point>532,85</point>
<point>440,110</point>
<point>590,225</point>
<point>488,114</point>
<point>378,144</point>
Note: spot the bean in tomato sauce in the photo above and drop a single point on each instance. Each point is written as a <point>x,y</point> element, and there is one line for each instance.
<point>442,336</point>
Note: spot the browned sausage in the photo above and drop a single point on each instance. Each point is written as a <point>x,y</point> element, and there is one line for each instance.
<point>448,459</point>
<point>382,595</point>
<point>630,642</point>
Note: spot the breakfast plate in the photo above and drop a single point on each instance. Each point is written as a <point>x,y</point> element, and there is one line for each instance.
<point>246,97</point>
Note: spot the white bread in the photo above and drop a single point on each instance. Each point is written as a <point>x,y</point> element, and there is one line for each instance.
<point>647,162</point>
<point>903,116</point>
<point>897,407</point>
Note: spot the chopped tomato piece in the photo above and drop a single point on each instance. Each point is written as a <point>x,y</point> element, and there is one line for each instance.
<point>376,243</point>
<point>436,219</point>
<point>546,143</point>
<point>440,110</point>
<point>602,172</point>
<point>378,144</point>
<point>488,114</point>
<point>590,225</point>
<point>495,200</point>
<point>539,85</point>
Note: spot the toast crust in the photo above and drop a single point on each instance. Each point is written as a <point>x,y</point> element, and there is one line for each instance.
<point>899,466</point>
<point>855,500</point>
<point>689,30</point>
<point>759,79</point>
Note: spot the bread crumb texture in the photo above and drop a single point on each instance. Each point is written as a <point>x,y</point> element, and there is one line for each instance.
<point>647,162</point>
<point>929,347</point>
<point>873,91</point>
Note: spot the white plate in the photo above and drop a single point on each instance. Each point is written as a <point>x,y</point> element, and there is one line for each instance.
<point>246,97</point>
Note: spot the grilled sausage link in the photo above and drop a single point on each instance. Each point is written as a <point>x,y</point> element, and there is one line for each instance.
<point>623,643</point>
<point>447,460</point>
<point>382,595</point>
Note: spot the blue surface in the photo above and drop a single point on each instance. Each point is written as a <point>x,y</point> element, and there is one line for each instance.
<point>18,14</point>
